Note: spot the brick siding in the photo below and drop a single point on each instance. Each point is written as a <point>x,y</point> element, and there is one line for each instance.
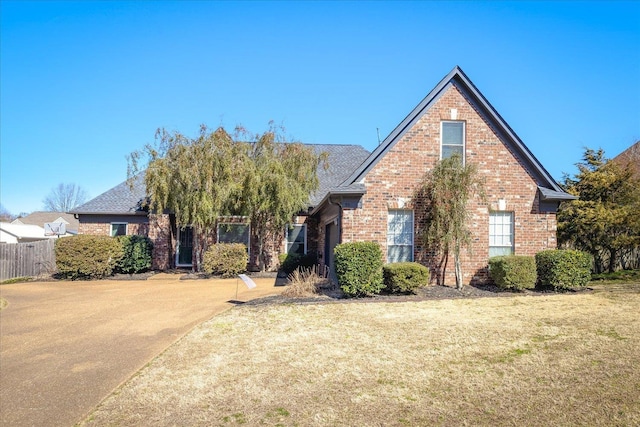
<point>393,181</point>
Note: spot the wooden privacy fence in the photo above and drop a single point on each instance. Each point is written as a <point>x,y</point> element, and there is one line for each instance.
<point>27,259</point>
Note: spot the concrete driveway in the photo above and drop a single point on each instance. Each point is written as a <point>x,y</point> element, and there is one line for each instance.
<point>65,346</point>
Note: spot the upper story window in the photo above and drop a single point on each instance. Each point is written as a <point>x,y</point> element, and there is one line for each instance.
<point>452,139</point>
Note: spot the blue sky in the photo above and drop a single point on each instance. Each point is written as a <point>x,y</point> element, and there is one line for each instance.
<point>82,84</point>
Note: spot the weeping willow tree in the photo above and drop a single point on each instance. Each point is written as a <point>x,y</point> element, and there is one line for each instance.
<point>193,178</point>
<point>217,174</point>
<point>448,189</point>
<point>278,181</point>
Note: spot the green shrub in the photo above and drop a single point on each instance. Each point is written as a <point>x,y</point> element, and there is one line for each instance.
<point>291,262</point>
<point>137,254</point>
<point>563,269</point>
<point>225,259</point>
<point>513,271</point>
<point>87,257</point>
<point>404,277</point>
<point>359,268</point>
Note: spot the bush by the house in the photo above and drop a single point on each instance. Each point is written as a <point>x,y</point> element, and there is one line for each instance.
<point>359,268</point>
<point>291,262</point>
<point>225,259</point>
<point>137,254</point>
<point>87,257</point>
<point>405,277</point>
<point>513,271</point>
<point>563,269</point>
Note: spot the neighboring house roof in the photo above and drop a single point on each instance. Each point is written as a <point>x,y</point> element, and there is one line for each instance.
<point>121,199</point>
<point>40,218</point>
<point>23,232</point>
<point>630,156</point>
<point>550,190</point>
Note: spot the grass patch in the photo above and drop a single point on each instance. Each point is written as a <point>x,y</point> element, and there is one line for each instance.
<point>16,280</point>
<point>622,276</point>
<point>568,359</point>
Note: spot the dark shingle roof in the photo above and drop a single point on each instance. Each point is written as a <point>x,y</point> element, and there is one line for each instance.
<point>121,199</point>
<point>342,160</point>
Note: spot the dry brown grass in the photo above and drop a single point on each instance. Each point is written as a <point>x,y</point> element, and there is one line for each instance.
<point>305,282</point>
<point>551,360</point>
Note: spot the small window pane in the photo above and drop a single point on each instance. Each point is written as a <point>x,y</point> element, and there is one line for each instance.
<point>119,229</point>
<point>400,253</point>
<point>233,233</point>
<point>452,133</point>
<point>451,150</point>
<point>296,239</point>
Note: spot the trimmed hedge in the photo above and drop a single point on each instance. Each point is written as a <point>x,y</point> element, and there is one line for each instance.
<point>226,259</point>
<point>513,271</point>
<point>87,257</point>
<point>359,268</point>
<point>405,277</point>
<point>137,254</point>
<point>563,269</point>
<point>290,262</point>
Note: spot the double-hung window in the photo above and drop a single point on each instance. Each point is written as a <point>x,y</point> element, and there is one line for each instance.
<point>297,239</point>
<point>500,233</point>
<point>400,235</point>
<point>452,139</point>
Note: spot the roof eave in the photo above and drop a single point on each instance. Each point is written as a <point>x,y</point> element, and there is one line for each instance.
<point>336,192</point>
<point>548,195</point>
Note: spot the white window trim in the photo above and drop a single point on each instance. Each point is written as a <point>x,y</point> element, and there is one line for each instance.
<point>126,228</point>
<point>287,230</point>
<point>412,232</point>
<point>464,137</point>
<point>512,231</point>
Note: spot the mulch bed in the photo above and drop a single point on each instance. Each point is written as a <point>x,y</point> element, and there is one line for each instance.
<point>433,292</point>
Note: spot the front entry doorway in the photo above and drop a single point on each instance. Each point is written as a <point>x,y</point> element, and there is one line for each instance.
<point>331,240</point>
<point>184,251</point>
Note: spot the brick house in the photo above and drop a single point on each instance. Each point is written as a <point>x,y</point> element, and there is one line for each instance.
<point>120,211</point>
<point>377,201</point>
<point>371,196</point>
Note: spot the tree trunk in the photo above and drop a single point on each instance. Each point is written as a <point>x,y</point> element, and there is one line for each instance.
<point>458,268</point>
<point>613,260</point>
<point>442,268</point>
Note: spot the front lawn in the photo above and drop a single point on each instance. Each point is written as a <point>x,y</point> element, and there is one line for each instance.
<point>621,276</point>
<point>567,359</point>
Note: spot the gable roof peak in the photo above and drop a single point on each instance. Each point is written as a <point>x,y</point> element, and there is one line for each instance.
<point>458,77</point>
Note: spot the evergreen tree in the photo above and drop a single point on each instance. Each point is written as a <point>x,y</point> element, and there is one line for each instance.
<point>605,221</point>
